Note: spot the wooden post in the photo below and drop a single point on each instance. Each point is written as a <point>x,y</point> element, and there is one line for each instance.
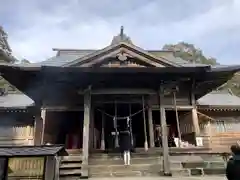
<point>195,121</point>
<point>194,111</point>
<point>102,133</point>
<point>150,124</point>
<point>145,126</point>
<point>177,120</point>
<point>166,163</point>
<point>39,124</point>
<point>49,168</point>
<point>43,116</point>
<point>86,122</point>
<point>92,133</point>
<point>115,126</point>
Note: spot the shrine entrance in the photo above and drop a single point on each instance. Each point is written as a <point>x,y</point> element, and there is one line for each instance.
<point>64,127</point>
<point>113,118</point>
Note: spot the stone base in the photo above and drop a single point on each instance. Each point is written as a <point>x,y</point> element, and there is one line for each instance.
<point>151,164</point>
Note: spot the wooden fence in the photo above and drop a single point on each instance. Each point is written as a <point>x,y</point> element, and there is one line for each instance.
<point>16,135</point>
<point>26,168</point>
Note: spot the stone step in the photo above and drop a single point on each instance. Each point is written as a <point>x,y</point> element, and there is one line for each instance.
<point>119,160</point>
<point>121,170</point>
<point>70,172</point>
<point>116,168</point>
<point>152,170</point>
<point>185,165</point>
<point>69,178</point>
<point>173,164</point>
<point>71,158</point>
<point>70,165</point>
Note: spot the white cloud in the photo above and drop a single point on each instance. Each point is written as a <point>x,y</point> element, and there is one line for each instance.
<point>150,25</point>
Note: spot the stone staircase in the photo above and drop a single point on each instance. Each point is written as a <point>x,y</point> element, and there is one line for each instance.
<point>71,166</point>
<point>151,164</point>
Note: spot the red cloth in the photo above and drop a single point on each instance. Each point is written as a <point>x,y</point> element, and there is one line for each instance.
<point>72,141</point>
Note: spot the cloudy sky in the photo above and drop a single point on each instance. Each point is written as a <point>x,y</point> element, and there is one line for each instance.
<point>36,26</point>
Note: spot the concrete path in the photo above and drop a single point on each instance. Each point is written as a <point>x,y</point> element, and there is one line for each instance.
<point>164,178</point>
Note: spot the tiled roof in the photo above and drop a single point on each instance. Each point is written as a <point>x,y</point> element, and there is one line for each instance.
<point>219,98</point>
<point>67,56</point>
<point>59,60</point>
<point>10,151</point>
<point>15,101</point>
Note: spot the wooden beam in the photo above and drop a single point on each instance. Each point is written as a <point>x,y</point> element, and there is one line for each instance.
<point>171,107</point>
<point>121,91</point>
<point>62,108</point>
<point>166,163</point>
<point>118,101</point>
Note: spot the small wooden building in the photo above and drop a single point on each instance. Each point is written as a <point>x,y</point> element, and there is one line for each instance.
<point>83,98</point>
<point>219,119</point>
<point>30,162</point>
<point>16,119</point>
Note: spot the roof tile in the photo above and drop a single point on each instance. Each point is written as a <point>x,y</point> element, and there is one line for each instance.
<point>10,151</point>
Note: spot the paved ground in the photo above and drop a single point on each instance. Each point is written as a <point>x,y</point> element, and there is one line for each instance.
<point>164,178</point>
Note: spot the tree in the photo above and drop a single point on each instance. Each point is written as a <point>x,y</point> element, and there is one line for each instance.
<point>192,54</point>
<point>25,61</point>
<point>5,56</point>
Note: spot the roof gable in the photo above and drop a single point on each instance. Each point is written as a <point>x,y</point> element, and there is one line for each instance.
<point>118,49</point>
<point>219,98</point>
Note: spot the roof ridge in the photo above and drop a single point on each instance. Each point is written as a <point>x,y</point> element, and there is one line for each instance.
<point>72,49</point>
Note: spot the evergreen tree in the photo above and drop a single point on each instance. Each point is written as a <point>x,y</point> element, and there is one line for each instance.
<point>192,54</point>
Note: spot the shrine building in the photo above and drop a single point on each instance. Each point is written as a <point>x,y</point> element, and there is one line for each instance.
<point>84,98</point>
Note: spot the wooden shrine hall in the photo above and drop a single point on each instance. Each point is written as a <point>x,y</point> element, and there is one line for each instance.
<point>84,101</point>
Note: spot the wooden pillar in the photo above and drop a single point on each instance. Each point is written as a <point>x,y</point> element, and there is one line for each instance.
<point>49,168</point>
<point>194,111</point>
<point>102,133</point>
<point>145,125</point>
<point>39,126</point>
<point>86,122</point>
<point>195,121</point>
<point>115,121</point>
<point>43,116</point>
<point>166,163</point>
<point>92,138</point>
<point>150,125</point>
